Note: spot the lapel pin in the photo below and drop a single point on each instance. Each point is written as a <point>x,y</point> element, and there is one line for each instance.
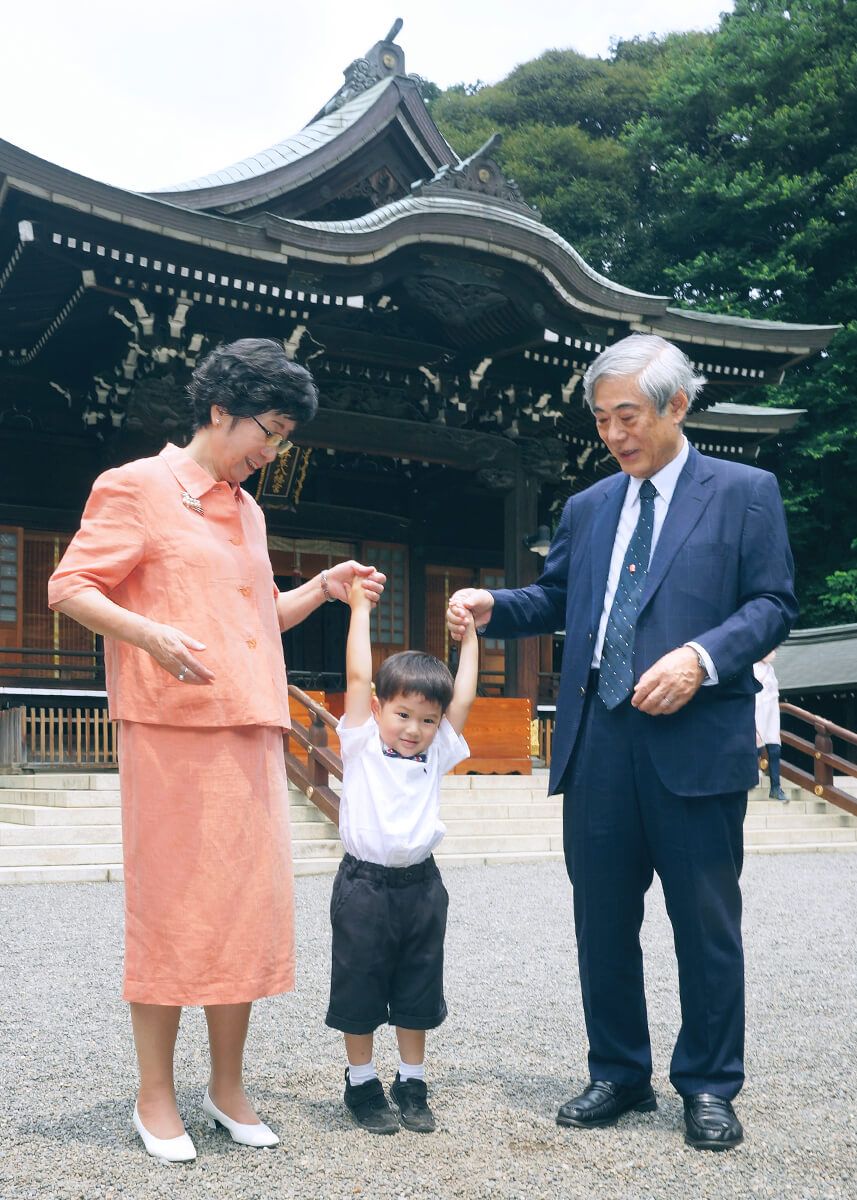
<point>632,567</point>
<point>192,503</point>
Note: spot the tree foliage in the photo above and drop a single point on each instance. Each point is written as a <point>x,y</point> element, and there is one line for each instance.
<point>721,168</point>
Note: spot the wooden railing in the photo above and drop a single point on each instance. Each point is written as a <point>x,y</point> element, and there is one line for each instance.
<point>309,760</point>
<point>56,737</point>
<point>498,733</point>
<point>824,761</point>
<point>63,668</point>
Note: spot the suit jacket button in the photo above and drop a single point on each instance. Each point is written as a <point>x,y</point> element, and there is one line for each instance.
<point>583,691</point>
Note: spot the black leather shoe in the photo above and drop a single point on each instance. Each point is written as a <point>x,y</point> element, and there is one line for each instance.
<point>409,1096</point>
<point>368,1106</point>
<point>603,1103</point>
<point>711,1123</point>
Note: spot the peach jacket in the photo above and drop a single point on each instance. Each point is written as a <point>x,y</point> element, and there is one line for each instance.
<point>162,539</point>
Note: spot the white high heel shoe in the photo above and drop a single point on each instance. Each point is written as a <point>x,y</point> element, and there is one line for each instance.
<point>246,1135</point>
<point>168,1150</point>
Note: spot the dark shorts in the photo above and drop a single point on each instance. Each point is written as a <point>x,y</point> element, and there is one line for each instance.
<point>389,925</point>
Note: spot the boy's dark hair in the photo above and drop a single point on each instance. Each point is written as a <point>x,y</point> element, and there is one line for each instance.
<point>414,671</point>
<point>249,377</point>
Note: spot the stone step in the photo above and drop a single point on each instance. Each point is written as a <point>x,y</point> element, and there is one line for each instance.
<point>321,848</point>
<point>46,814</point>
<point>105,873</point>
<point>547,810</point>
<point>807,804</point>
<point>803,848</point>
<point>498,841</point>
<point>58,835</point>
<point>511,783</point>
<point>461,827</point>
<point>313,831</point>
<point>795,835</point>
<point>52,781</point>
<point>785,818</point>
<point>64,827</point>
<point>62,797</point>
<point>489,795</point>
<point>304,812</point>
<point>316,866</point>
<point>42,855</point>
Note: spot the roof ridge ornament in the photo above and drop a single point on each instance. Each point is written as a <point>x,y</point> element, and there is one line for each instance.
<point>384,60</point>
<point>480,174</point>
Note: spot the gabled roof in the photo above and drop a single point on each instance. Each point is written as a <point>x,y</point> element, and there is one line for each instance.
<point>378,105</point>
<point>459,246</point>
<point>818,660</point>
<point>311,138</point>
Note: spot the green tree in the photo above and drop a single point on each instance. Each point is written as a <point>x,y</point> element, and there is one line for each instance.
<point>721,167</point>
<point>560,117</point>
<point>746,175</point>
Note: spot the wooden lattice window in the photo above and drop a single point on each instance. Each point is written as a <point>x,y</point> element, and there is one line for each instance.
<point>11,546</point>
<point>41,628</point>
<point>390,614</point>
<point>441,582</point>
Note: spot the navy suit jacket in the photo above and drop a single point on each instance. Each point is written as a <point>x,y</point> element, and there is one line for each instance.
<point>722,575</point>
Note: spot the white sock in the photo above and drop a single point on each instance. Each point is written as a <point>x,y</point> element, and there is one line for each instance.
<point>412,1071</point>
<point>361,1074</point>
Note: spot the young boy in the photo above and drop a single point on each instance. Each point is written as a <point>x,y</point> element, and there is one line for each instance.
<point>388,906</point>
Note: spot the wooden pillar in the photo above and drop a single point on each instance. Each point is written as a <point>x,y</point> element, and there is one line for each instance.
<point>521,567</point>
<point>417,594</point>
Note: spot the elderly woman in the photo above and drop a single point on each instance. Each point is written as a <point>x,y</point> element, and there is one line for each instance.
<point>171,565</point>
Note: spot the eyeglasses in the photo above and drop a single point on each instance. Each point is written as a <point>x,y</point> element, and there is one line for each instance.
<point>274,441</point>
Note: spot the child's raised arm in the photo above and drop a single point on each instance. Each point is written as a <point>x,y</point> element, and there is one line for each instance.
<point>358,657</point>
<point>464,691</point>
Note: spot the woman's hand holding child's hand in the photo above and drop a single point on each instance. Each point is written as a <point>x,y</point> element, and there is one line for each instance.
<point>358,597</point>
<point>344,574</point>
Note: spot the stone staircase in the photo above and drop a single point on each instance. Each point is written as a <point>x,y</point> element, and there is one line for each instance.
<point>66,827</point>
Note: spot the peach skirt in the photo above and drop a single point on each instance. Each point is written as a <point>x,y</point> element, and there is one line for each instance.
<point>209,898</point>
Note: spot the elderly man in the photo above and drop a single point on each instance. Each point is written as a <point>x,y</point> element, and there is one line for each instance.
<point>670,578</point>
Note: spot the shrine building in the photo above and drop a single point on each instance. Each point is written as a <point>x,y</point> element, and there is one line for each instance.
<point>448,329</point>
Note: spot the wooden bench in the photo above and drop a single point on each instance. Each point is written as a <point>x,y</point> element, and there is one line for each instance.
<point>498,734</point>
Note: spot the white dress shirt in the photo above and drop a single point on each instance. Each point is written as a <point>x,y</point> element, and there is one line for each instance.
<point>664,482</point>
<point>389,812</point>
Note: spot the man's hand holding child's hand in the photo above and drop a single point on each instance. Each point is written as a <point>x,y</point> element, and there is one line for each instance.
<point>464,625</point>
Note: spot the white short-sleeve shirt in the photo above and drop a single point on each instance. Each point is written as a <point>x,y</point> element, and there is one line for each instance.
<point>389,812</point>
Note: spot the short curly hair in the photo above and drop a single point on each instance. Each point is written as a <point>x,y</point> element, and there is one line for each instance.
<point>249,377</point>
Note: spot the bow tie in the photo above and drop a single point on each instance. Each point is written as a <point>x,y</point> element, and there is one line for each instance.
<point>391,753</point>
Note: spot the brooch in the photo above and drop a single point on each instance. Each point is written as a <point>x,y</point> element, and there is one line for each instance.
<point>192,503</point>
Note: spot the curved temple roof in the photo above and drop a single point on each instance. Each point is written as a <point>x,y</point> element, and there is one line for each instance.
<point>456,211</point>
<point>311,138</point>
<point>376,101</point>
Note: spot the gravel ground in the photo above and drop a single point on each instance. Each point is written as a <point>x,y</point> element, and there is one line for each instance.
<point>511,1051</point>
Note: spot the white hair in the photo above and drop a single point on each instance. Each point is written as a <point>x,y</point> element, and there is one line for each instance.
<point>658,368</point>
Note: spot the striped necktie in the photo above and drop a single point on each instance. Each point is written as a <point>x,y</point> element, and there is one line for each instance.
<point>616,673</point>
